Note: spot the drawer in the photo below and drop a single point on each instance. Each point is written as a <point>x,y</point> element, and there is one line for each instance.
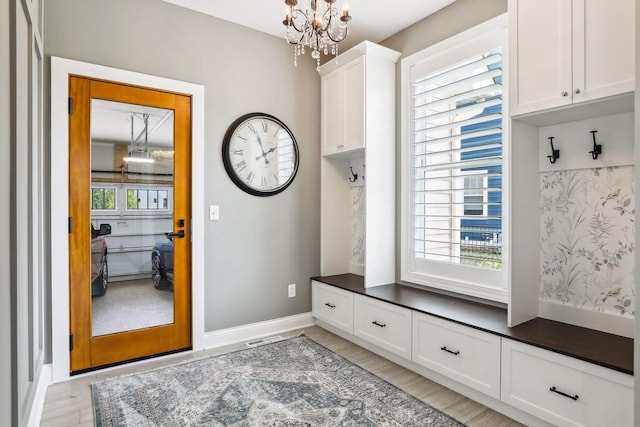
<point>464,354</point>
<point>385,325</point>
<point>333,305</point>
<point>563,390</point>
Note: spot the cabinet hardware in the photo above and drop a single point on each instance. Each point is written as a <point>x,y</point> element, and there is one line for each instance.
<point>340,147</point>
<point>555,154</point>
<point>329,305</point>
<point>577,91</point>
<point>561,393</point>
<point>375,322</point>
<point>565,93</point>
<point>455,353</point>
<point>597,148</point>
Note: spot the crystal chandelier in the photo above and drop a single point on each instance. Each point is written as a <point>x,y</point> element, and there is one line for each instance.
<point>308,26</point>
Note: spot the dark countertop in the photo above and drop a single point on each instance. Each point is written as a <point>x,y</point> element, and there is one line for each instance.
<point>600,348</point>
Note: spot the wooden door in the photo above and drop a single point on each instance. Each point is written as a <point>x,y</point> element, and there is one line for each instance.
<point>87,182</point>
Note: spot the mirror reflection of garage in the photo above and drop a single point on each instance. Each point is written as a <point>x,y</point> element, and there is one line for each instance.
<point>131,217</point>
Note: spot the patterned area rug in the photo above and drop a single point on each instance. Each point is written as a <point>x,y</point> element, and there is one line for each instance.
<point>294,382</point>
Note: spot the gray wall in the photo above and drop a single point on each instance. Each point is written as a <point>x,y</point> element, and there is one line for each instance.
<point>447,22</point>
<point>260,245</point>
<point>8,383</point>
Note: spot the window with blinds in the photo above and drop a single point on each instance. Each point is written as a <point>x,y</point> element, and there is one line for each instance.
<point>453,164</point>
<point>457,153</point>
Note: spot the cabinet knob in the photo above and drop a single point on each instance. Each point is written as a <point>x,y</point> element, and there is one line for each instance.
<point>340,147</point>
<point>565,93</point>
<point>577,91</point>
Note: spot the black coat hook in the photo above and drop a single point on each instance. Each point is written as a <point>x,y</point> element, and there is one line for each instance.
<point>597,148</point>
<point>555,154</point>
<point>363,178</point>
<point>354,176</point>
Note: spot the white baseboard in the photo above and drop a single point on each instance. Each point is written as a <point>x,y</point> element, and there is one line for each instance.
<point>257,330</point>
<point>605,322</point>
<point>44,380</point>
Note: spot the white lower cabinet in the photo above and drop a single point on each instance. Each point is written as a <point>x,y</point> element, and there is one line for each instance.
<point>464,354</point>
<point>386,325</point>
<point>563,390</point>
<point>333,305</point>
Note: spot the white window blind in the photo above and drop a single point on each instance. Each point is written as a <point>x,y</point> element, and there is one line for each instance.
<point>453,164</point>
<point>457,149</point>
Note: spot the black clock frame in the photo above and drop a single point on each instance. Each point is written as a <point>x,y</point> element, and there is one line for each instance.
<point>226,155</point>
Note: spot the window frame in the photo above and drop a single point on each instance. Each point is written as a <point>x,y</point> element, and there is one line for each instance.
<point>105,186</point>
<point>471,281</point>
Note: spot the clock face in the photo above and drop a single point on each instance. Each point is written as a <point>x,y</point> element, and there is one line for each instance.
<point>260,154</point>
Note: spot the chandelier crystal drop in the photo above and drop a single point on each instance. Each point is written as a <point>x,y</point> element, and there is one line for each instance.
<point>318,28</point>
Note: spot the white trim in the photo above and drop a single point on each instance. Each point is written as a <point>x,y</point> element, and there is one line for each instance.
<point>472,281</point>
<point>38,399</point>
<point>61,69</point>
<point>605,322</point>
<point>257,330</point>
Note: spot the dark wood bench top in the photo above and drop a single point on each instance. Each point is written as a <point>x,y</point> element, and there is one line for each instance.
<point>600,348</point>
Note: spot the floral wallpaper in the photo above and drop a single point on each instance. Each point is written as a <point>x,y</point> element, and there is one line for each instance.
<point>357,225</point>
<point>587,238</point>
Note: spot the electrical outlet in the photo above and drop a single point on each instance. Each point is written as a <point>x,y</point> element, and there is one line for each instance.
<point>292,290</point>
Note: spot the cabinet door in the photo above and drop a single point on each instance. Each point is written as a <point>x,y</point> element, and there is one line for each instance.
<point>333,305</point>
<point>386,325</point>
<point>603,48</point>
<point>354,102</point>
<point>333,111</point>
<point>563,390</point>
<point>467,355</point>
<point>540,54</point>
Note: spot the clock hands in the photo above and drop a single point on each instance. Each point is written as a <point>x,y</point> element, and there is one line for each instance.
<point>264,153</point>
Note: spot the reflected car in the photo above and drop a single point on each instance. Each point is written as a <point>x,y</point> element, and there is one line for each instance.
<point>162,264</point>
<point>99,262</point>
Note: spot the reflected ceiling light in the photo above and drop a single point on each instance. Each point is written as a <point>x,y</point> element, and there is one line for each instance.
<point>139,152</point>
<point>309,26</point>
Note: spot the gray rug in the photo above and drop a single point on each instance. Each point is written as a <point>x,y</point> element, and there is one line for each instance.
<point>294,382</point>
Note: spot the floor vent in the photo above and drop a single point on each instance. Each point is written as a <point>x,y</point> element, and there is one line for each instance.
<point>262,341</point>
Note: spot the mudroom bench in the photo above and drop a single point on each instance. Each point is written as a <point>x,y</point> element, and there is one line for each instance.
<point>555,372</point>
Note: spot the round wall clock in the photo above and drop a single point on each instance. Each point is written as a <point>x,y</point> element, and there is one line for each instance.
<point>260,154</point>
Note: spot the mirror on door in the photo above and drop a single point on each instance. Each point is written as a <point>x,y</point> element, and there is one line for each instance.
<point>132,185</point>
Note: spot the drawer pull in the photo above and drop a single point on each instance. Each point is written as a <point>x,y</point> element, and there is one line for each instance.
<point>329,305</point>
<point>375,322</point>
<point>555,390</point>
<point>455,353</point>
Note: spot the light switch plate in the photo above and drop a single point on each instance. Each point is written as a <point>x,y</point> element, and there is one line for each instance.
<point>214,212</point>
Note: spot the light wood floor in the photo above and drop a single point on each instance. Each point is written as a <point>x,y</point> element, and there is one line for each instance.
<point>69,403</point>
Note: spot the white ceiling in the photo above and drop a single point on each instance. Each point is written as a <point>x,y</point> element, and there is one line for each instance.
<point>373,20</point>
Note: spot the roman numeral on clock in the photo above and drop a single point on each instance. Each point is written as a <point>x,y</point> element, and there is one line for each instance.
<point>241,165</point>
<point>250,177</point>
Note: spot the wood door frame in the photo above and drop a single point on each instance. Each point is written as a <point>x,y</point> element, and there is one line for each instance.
<point>61,69</point>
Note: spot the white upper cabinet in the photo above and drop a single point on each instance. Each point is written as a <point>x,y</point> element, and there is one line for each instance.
<point>565,52</point>
<point>361,75</point>
<point>343,108</point>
